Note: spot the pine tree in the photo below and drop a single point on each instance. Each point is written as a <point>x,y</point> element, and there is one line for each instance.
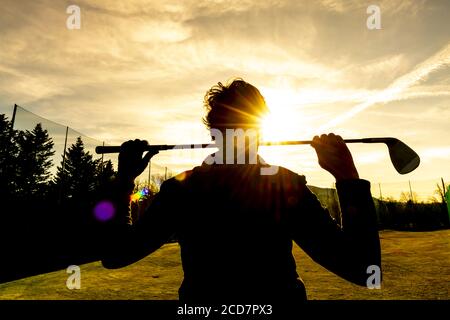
<point>34,162</point>
<point>105,172</point>
<point>76,177</point>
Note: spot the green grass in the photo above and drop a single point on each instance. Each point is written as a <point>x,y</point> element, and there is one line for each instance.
<point>416,266</point>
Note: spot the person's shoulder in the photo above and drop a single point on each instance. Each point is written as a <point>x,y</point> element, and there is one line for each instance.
<point>285,173</point>
<point>177,181</point>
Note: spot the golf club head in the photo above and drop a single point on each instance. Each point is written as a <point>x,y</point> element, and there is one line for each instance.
<point>403,157</point>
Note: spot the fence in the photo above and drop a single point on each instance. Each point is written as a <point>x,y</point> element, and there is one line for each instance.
<point>63,137</point>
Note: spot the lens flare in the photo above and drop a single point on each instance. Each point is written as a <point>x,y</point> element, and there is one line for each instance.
<point>104,211</point>
<point>139,195</point>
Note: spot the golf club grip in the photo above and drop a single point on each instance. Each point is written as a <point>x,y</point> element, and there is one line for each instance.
<point>107,149</point>
<point>116,149</point>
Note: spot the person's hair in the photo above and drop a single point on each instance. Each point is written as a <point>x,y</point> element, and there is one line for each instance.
<point>236,104</point>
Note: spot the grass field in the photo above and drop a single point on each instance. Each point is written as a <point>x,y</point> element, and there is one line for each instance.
<point>416,266</point>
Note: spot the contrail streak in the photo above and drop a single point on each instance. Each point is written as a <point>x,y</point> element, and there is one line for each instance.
<point>439,60</point>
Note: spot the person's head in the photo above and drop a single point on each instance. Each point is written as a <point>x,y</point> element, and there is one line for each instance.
<point>234,105</point>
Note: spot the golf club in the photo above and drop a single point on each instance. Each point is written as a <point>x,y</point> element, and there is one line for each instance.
<point>402,157</point>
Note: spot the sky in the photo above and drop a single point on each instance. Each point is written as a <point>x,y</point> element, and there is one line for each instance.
<point>140,69</point>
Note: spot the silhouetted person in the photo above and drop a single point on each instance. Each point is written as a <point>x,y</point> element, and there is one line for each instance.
<point>235,226</point>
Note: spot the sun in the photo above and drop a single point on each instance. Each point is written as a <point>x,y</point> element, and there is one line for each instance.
<point>273,127</point>
<point>283,122</point>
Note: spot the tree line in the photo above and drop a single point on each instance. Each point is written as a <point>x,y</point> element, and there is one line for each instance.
<point>26,159</point>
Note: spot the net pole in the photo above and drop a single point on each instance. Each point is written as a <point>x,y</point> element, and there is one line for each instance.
<point>63,166</point>
<point>13,119</point>
<point>101,161</point>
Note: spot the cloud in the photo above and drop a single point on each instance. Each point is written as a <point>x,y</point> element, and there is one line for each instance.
<point>431,153</point>
<point>439,60</point>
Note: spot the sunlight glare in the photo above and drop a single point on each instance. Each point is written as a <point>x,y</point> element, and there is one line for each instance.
<point>284,121</point>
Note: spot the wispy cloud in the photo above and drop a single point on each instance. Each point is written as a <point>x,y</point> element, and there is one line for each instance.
<point>439,60</point>
<point>431,153</point>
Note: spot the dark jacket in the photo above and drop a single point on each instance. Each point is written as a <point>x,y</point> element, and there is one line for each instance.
<point>235,228</point>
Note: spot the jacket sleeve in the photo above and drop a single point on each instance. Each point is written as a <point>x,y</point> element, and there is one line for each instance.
<point>125,242</point>
<point>348,249</point>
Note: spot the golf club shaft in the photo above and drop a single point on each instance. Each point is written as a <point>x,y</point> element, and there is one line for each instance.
<point>161,147</point>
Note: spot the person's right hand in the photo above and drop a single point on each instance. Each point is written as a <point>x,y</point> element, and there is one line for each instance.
<point>334,156</point>
<point>131,162</point>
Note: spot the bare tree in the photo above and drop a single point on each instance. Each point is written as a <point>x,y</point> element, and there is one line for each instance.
<point>408,197</point>
<point>441,192</point>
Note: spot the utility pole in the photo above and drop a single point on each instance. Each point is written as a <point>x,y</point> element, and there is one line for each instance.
<point>410,191</point>
<point>381,195</point>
